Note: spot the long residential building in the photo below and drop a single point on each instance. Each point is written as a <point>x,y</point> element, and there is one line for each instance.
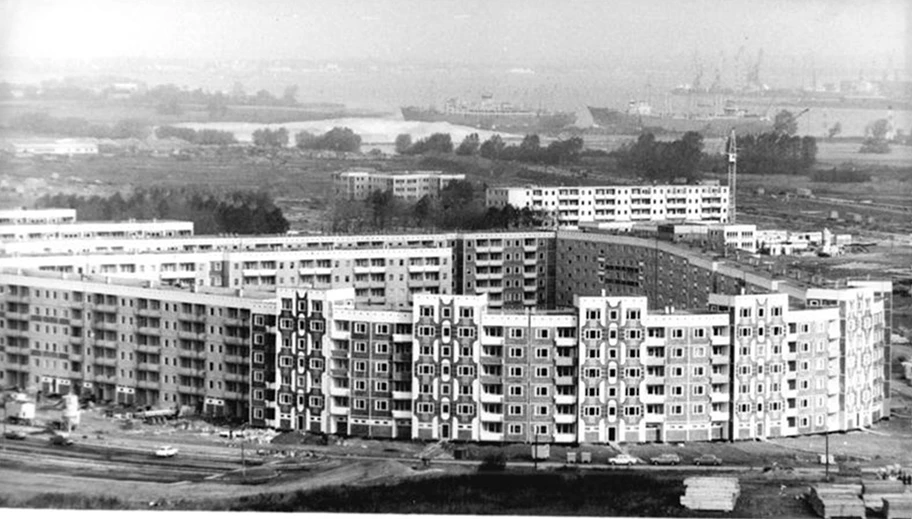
<point>407,185</point>
<point>608,338</point>
<point>570,207</point>
<point>69,230</point>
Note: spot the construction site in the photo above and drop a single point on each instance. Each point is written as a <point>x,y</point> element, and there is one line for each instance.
<point>56,450</point>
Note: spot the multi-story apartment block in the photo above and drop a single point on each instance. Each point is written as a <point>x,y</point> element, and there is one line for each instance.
<point>408,185</point>
<point>36,216</point>
<point>68,230</point>
<point>583,340</point>
<point>127,342</point>
<point>572,206</point>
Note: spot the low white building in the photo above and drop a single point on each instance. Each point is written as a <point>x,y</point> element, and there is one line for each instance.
<point>60,147</point>
<point>36,216</point>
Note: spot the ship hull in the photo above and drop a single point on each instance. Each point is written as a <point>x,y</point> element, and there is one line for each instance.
<point>615,121</point>
<point>519,123</point>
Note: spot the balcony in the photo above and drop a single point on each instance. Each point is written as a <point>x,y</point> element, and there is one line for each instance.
<point>719,397</point>
<point>237,377</point>
<point>565,438</point>
<point>401,414</point>
<point>491,417</point>
<point>338,372</point>
<point>148,366</point>
<point>565,418</point>
<point>565,361</point>
<point>402,395</point>
<point>191,390</point>
<point>564,381</point>
<point>339,391</point>
<point>148,384</point>
<point>105,361</point>
<point>564,399</point>
<point>148,348</point>
<point>489,398</point>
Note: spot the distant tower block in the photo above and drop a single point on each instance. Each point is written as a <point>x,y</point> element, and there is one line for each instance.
<point>732,178</point>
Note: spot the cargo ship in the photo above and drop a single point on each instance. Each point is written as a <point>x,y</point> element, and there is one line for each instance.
<point>638,118</point>
<point>491,115</point>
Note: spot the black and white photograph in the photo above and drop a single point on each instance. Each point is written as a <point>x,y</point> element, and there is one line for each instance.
<point>519,258</point>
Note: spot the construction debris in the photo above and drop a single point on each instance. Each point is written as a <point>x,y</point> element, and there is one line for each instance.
<point>711,493</point>
<point>837,500</point>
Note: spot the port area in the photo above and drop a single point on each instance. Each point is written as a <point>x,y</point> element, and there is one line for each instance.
<point>112,464</point>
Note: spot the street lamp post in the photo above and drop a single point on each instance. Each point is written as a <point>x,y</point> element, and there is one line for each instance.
<point>826,436</point>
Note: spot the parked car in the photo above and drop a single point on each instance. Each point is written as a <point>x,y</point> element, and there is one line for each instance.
<point>61,439</point>
<point>166,451</point>
<point>623,459</point>
<point>14,435</point>
<point>707,459</point>
<point>666,459</point>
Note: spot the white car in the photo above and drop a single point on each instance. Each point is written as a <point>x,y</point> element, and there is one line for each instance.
<point>623,459</point>
<point>166,451</point>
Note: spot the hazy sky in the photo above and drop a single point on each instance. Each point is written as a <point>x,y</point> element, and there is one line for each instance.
<point>521,32</point>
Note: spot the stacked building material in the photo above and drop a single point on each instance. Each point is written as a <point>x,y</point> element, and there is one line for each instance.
<point>878,491</point>
<point>836,500</point>
<point>711,493</point>
<point>897,507</point>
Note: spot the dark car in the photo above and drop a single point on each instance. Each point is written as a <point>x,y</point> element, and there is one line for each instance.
<point>707,459</point>
<point>14,435</point>
<point>666,459</point>
<point>61,439</point>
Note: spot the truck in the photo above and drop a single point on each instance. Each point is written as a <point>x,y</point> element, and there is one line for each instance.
<point>19,409</point>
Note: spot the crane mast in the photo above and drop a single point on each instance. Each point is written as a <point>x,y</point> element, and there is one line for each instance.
<point>732,177</point>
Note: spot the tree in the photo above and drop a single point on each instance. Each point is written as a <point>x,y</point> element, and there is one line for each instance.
<point>469,145</point>
<point>492,148</point>
<point>266,138</point>
<point>337,139</point>
<point>876,137</point>
<point>835,130</point>
<point>436,143</point>
<point>289,97</point>
<point>785,123</point>
<point>403,143</point>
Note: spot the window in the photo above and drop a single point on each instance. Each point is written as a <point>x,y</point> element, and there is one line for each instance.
<point>381,405</point>
<point>698,390</point>
<point>593,315</point>
<point>697,409</point>
<point>515,428</point>
<point>516,390</point>
<point>542,372</point>
<point>465,409</point>
<point>466,312</point>
<point>381,329</point>
<point>360,347</point>
<point>542,353</point>
<point>542,391</point>
<point>516,333</point>
<point>542,333</point>
<point>514,410</point>
<point>381,348</point>
<point>516,371</point>
<point>381,386</point>
<point>516,352</point>
<point>634,335</point>
<point>698,371</point>
<point>593,334</point>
